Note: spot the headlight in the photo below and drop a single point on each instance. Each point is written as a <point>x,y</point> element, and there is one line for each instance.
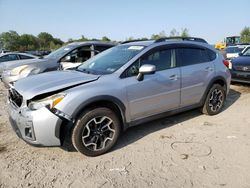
<point>49,102</point>
<point>23,71</point>
<point>17,70</point>
<point>28,71</point>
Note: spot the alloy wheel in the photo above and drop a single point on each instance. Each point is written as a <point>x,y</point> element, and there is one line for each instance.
<point>216,100</point>
<point>98,133</point>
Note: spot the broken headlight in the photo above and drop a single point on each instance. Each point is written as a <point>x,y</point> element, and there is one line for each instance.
<point>49,102</point>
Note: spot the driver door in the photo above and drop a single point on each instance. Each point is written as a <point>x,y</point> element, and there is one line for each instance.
<point>158,92</point>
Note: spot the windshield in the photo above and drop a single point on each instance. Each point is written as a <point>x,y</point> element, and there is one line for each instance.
<point>110,60</point>
<point>247,52</point>
<point>233,50</point>
<point>233,40</point>
<point>59,53</point>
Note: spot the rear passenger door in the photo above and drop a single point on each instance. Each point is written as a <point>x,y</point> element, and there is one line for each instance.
<point>158,92</point>
<point>197,69</point>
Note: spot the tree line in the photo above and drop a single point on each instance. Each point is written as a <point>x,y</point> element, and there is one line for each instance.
<point>12,41</point>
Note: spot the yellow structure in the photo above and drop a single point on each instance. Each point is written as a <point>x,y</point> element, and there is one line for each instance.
<point>232,40</point>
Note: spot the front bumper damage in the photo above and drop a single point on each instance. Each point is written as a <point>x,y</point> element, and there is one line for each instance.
<point>40,127</point>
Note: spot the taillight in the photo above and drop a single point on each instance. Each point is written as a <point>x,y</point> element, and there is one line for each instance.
<point>226,63</point>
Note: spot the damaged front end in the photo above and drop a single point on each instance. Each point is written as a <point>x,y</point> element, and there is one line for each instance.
<point>33,113</point>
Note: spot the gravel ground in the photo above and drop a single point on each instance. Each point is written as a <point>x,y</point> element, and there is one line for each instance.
<point>185,150</point>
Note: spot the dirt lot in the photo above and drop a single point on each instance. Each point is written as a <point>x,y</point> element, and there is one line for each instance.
<point>186,150</point>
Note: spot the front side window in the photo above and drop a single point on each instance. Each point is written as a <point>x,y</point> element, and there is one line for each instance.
<point>110,60</point>
<point>162,59</point>
<point>60,52</point>
<point>191,56</point>
<point>78,55</point>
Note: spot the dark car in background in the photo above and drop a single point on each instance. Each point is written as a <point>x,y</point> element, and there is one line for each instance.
<point>240,69</point>
<point>233,51</point>
<point>66,57</point>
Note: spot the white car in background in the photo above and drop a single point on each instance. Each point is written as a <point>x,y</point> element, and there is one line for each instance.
<point>12,58</point>
<point>233,51</point>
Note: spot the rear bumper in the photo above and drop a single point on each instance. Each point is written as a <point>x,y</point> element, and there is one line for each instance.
<point>39,128</point>
<point>240,76</point>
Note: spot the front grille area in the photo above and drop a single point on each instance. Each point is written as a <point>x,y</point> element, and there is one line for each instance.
<point>15,97</point>
<point>242,68</point>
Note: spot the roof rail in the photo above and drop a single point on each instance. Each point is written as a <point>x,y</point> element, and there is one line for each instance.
<point>138,40</point>
<point>181,38</point>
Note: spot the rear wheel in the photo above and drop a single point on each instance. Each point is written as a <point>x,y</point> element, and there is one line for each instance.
<point>215,100</point>
<point>96,131</point>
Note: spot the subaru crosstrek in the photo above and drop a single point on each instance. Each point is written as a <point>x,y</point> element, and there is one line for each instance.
<point>124,86</point>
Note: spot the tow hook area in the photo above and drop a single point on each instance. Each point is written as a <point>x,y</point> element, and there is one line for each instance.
<point>62,115</point>
<point>65,129</point>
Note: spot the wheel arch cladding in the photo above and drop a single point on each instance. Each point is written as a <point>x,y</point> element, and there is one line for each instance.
<point>103,101</point>
<point>216,80</point>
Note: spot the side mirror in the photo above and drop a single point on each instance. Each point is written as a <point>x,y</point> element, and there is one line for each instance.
<point>68,58</point>
<point>240,54</point>
<point>145,69</point>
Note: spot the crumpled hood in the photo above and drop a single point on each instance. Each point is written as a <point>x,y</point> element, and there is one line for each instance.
<point>51,81</point>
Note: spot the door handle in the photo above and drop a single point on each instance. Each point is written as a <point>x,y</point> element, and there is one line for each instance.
<point>173,77</point>
<point>209,69</point>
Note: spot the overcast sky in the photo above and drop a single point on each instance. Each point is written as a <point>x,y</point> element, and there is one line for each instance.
<point>118,20</point>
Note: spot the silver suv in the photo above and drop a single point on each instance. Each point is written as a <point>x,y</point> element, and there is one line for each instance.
<point>124,86</point>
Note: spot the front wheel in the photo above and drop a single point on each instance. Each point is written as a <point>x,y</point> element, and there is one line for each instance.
<point>96,131</point>
<point>214,100</point>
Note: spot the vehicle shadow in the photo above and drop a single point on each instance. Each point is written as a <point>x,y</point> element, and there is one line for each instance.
<point>134,134</point>
<point>232,97</point>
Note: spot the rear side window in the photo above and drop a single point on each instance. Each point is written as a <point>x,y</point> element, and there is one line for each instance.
<point>191,56</point>
<point>9,57</point>
<point>25,57</point>
<point>212,55</point>
<point>3,58</point>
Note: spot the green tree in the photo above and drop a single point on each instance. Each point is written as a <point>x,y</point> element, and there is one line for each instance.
<point>28,42</point>
<point>174,33</point>
<point>44,39</point>
<point>105,39</point>
<point>130,38</point>
<point>245,35</point>
<point>184,33</point>
<point>10,40</point>
<point>58,42</point>
<point>162,34</point>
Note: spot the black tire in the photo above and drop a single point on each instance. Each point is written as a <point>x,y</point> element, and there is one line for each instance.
<point>96,131</point>
<point>215,100</point>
